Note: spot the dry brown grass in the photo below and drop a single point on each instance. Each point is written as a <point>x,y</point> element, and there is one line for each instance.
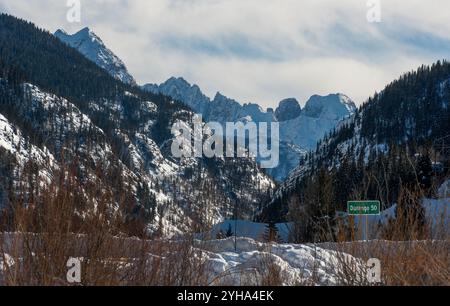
<point>412,252</point>
<point>40,235</point>
<point>412,263</point>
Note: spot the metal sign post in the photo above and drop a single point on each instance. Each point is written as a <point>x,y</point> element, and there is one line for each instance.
<point>364,208</point>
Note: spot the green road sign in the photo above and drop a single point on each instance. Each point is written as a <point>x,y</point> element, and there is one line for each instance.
<point>366,208</point>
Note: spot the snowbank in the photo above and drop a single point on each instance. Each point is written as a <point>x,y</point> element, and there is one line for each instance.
<point>291,264</point>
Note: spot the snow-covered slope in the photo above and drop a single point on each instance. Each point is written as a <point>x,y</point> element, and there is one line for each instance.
<point>180,90</point>
<point>183,188</point>
<point>301,134</point>
<point>296,264</point>
<point>331,107</point>
<point>320,115</point>
<point>93,48</point>
<point>13,141</point>
<point>305,131</point>
<point>299,130</point>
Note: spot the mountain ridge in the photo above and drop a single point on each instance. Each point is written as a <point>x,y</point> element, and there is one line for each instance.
<point>91,46</point>
<point>300,129</point>
<point>113,136</point>
<point>397,140</point>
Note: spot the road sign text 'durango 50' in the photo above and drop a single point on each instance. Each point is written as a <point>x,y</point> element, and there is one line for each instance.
<point>363,207</point>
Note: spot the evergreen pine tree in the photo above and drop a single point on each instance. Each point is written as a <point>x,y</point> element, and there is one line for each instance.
<point>229,232</point>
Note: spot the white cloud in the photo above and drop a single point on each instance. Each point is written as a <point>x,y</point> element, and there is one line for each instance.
<point>261,50</point>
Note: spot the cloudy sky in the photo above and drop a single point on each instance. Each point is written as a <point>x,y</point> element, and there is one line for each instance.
<point>260,50</point>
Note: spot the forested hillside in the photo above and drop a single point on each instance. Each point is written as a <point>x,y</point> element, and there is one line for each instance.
<point>62,107</point>
<point>397,141</point>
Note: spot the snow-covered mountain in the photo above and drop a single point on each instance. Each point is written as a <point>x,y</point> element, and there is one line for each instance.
<point>288,109</point>
<point>117,137</point>
<point>221,109</point>
<point>180,90</point>
<point>332,107</point>
<point>320,115</point>
<point>142,160</point>
<point>388,139</point>
<point>93,48</point>
<point>299,129</point>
